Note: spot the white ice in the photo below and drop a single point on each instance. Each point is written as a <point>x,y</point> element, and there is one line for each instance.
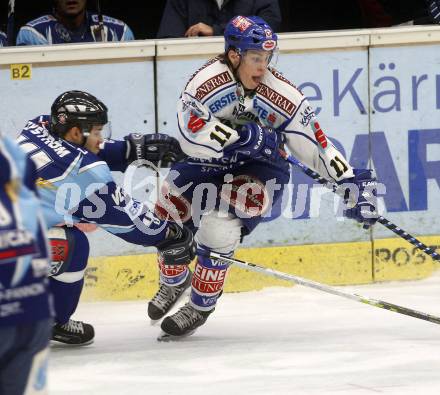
<point>277,341</point>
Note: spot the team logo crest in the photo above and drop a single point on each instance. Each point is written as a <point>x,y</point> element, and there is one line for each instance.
<point>63,33</point>
<point>247,195</point>
<point>172,206</point>
<point>272,118</point>
<point>242,23</point>
<point>269,45</point>
<point>62,118</point>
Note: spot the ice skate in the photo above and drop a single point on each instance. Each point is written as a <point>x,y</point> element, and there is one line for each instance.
<point>165,298</point>
<point>74,333</point>
<point>183,323</point>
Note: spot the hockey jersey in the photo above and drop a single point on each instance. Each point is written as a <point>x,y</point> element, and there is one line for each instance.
<point>214,105</point>
<point>76,185</point>
<point>47,30</point>
<point>24,262</point>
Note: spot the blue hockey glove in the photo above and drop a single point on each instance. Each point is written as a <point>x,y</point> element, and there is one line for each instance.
<point>364,211</point>
<point>157,148</point>
<point>256,142</point>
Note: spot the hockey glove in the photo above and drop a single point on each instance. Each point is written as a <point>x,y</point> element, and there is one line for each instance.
<point>256,142</point>
<point>364,210</point>
<point>178,248</point>
<point>158,148</point>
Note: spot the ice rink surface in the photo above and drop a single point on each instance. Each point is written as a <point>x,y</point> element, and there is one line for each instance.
<point>277,341</point>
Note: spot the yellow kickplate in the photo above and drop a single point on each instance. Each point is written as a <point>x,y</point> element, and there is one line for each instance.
<point>135,276</point>
<point>396,259</point>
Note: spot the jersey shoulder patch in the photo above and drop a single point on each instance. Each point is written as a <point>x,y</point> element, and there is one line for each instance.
<point>45,19</point>
<point>208,78</point>
<point>211,79</point>
<point>108,20</point>
<point>280,93</point>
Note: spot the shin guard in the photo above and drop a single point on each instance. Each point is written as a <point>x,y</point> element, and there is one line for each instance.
<point>207,282</point>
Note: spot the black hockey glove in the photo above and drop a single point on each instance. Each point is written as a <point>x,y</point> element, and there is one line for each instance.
<point>179,247</point>
<point>158,148</point>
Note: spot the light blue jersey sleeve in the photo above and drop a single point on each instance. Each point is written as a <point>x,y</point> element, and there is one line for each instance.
<point>128,34</point>
<point>29,36</point>
<point>3,40</point>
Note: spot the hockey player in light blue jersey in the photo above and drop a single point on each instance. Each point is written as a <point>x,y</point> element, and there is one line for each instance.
<point>25,305</point>
<point>71,23</point>
<point>75,184</point>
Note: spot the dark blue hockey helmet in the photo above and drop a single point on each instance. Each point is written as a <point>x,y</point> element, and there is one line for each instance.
<point>77,108</point>
<point>249,32</point>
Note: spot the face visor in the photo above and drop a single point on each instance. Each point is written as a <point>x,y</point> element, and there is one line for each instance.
<point>103,132</point>
<point>260,58</point>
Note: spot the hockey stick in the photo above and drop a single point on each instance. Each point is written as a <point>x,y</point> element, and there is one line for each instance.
<point>11,22</point>
<point>339,191</point>
<point>325,288</point>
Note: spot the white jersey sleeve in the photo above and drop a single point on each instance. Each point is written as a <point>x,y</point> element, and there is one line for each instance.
<point>309,144</point>
<point>304,137</point>
<point>201,134</point>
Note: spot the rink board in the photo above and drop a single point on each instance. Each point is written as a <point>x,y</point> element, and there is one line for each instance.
<point>135,276</point>
<point>375,102</point>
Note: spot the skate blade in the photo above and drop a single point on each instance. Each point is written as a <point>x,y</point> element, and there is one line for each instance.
<point>166,337</point>
<point>58,344</point>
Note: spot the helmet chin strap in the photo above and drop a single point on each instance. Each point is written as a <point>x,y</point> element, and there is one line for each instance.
<point>231,66</point>
<point>235,70</point>
<point>247,91</point>
<point>84,134</point>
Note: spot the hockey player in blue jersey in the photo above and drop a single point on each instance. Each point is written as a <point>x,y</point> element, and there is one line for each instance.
<point>234,114</point>
<point>75,184</point>
<point>72,23</point>
<point>25,305</point>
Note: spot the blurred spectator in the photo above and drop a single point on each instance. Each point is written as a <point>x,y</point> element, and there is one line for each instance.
<point>434,11</point>
<point>383,13</point>
<point>71,23</point>
<point>3,39</point>
<point>352,14</point>
<point>320,15</point>
<point>188,18</point>
<point>374,14</point>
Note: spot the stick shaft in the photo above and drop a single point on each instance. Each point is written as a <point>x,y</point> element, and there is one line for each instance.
<point>325,288</point>
<point>382,220</point>
<point>100,20</point>
<point>10,31</point>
